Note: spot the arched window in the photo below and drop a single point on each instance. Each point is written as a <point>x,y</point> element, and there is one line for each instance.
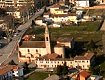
<point>46,38</point>
<point>36,50</point>
<point>28,50</point>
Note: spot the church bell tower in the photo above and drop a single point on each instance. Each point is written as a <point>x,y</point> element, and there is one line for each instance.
<point>47,40</point>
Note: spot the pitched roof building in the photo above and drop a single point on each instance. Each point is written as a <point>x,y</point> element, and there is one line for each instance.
<point>30,50</point>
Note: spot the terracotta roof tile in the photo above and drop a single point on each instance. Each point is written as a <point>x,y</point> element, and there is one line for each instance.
<point>84,74</point>
<point>52,56</point>
<point>27,37</point>
<point>33,44</point>
<point>55,5</point>
<point>87,56</point>
<point>5,69</point>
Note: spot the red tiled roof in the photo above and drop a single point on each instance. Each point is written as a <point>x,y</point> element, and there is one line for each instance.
<point>55,5</point>
<point>27,37</point>
<point>52,56</point>
<point>87,56</point>
<point>47,13</point>
<point>33,44</point>
<point>84,74</point>
<point>16,67</point>
<point>5,69</point>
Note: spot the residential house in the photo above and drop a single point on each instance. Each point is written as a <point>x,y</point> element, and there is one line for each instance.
<point>14,12</point>
<point>15,3</point>
<point>64,17</point>
<point>82,3</point>
<point>84,62</point>
<point>100,1</point>
<point>6,72</point>
<point>70,1</point>
<point>17,71</point>
<point>84,75</point>
<point>3,25</point>
<point>54,7</point>
<point>52,60</point>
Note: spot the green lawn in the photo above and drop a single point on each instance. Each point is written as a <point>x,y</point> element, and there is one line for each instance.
<point>38,76</point>
<point>93,12</point>
<point>84,32</point>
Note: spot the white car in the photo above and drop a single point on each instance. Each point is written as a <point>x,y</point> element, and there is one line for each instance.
<point>15,34</point>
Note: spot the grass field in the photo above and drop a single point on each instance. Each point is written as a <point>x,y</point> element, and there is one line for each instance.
<point>84,32</point>
<point>38,76</point>
<point>95,12</point>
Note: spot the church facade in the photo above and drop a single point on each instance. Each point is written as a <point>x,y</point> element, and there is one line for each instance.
<point>30,50</point>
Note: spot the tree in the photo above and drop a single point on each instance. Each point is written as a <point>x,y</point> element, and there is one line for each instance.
<point>94,70</point>
<point>59,70</point>
<point>33,24</point>
<point>65,69</point>
<point>12,62</point>
<point>25,65</point>
<point>2,12</point>
<point>91,45</point>
<point>67,2</point>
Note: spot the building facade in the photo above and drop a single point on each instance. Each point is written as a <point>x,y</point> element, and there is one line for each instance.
<point>30,50</point>
<point>81,62</point>
<point>15,3</point>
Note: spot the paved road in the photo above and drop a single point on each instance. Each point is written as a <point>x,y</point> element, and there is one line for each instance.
<point>103,26</point>
<point>10,49</point>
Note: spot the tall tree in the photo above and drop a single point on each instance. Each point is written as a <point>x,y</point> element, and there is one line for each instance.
<point>59,70</point>
<point>65,69</point>
<point>91,45</point>
<point>67,2</point>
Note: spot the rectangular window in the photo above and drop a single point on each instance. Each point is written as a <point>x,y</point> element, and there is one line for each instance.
<point>28,50</point>
<point>46,38</point>
<point>83,61</point>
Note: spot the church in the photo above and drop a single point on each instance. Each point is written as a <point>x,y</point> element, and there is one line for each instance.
<point>30,50</point>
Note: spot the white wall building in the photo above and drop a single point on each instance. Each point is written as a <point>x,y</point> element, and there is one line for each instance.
<point>82,3</point>
<point>29,50</point>
<point>81,62</point>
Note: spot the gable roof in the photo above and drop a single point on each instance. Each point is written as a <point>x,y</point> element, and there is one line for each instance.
<point>52,56</point>
<point>84,74</point>
<point>5,69</point>
<point>33,44</point>
<point>55,5</point>
<point>87,56</point>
